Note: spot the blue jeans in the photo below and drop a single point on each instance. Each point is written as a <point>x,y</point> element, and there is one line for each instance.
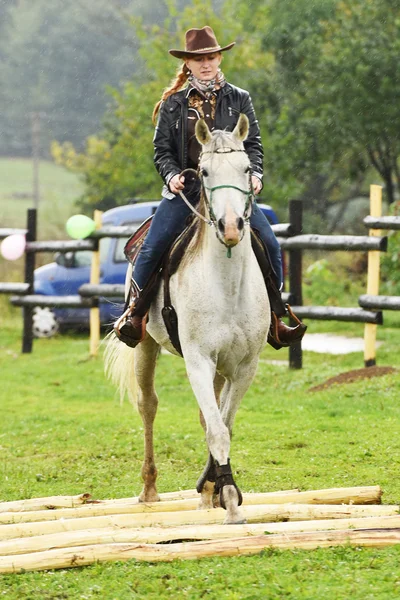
<point>169,221</point>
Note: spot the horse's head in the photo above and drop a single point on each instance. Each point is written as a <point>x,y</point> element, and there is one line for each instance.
<point>226,178</point>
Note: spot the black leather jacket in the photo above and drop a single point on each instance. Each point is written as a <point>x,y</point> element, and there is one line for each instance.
<point>170,137</point>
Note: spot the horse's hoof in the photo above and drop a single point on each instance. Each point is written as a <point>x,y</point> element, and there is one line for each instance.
<point>146,498</point>
<point>241,522</point>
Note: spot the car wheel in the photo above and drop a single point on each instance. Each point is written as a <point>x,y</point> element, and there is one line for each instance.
<point>45,324</point>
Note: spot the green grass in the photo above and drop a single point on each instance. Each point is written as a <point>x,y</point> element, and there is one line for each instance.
<point>63,431</point>
<point>58,191</point>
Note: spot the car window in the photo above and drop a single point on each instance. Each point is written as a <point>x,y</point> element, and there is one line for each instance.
<point>104,248</point>
<point>83,258</point>
<point>119,255</point>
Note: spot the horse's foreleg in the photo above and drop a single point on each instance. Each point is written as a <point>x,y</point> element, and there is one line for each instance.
<point>145,362</point>
<point>230,402</point>
<point>206,483</point>
<point>201,373</point>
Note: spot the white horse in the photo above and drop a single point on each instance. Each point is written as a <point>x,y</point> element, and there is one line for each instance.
<point>223,314</point>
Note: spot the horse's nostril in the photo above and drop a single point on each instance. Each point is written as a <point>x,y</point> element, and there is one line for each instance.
<point>221,225</point>
<point>240,223</point>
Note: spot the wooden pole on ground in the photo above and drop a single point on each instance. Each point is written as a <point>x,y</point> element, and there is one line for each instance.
<point>95,280</point>
<point>373,277</point>
<point>253,514</point>
<point>156,535</point>
<point>353,496</point>
<point>78,556</point>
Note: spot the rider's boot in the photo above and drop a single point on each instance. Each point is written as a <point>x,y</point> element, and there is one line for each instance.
<point>280,335</point>
<point>130,328</point>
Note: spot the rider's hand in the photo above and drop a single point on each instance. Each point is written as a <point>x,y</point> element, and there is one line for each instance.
<point>176,183</point>
<point>257,185</point>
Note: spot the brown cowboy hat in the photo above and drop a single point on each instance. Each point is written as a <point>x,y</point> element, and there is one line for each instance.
<point>200,41</point>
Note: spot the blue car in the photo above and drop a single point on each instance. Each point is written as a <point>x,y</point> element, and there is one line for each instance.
<point>71,270</point>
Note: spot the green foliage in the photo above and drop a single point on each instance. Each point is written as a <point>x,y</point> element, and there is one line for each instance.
<point>390,271</point>
<point>119,165</point>
<point>334,281</point>
<point>57,59</point>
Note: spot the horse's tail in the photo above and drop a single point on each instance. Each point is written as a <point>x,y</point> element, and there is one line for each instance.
<point>119,366</point>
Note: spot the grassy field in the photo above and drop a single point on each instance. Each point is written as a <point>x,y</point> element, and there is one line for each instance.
<point>59,191</point>
<point>63,431</point>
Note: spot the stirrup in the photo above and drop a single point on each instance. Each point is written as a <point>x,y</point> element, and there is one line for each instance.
<point>295,333</point>
<point>127,331</point>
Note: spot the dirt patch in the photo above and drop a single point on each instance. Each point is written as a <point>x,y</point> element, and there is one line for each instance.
<point>350,376</point>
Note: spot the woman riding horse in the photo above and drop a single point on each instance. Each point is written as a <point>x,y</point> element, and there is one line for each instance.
<point>206,95</point>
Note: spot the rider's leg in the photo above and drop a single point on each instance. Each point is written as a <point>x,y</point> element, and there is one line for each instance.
<point>168,222</point>
<point>260,222</point>
<point>280,334</point>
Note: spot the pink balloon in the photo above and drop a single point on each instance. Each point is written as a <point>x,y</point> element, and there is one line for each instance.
<point>13,246</point>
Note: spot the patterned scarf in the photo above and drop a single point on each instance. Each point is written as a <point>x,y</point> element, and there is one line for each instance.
<point>206,88</point>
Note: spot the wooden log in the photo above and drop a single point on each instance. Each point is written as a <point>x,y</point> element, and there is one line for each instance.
<point>6,231</point>
<point>334,242</point>
<point>283,229</point>
<point>49,502</point>
<point>106,290</point>
<point>338,313</point>
<point>13,288</point>
<point>356,495</point>
<point>372,494</point>
<point>379,222</point>
<point>53,301</point>
<point>187,494</point>
<point>79,556</point>
<point>253,514</point>
<point>156,535</point>
<point>60,246</point>
<point>379,302</point>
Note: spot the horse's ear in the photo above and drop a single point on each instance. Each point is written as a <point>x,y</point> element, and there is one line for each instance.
<point>242,128</point>
<point>203,134</point>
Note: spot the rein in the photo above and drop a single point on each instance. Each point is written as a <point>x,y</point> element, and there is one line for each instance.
<point>212,221</point>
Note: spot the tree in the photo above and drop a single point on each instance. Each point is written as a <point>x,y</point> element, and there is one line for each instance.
<point>58,59</point>
<point>119,164</point>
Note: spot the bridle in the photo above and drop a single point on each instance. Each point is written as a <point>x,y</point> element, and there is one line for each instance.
<point>212,221</point>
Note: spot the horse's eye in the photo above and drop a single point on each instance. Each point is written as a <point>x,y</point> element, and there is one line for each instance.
<point>204,173</point>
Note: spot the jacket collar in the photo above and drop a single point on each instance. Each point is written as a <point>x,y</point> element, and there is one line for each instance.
<point>184,94</point>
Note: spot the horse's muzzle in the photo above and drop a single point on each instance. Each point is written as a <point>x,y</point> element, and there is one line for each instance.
<point>231,231</point>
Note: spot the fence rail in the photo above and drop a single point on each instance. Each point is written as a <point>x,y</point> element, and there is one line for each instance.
<point>33,300</point>
<point>6,231</point>
<point>290,237</point>
<point>379,302</point>
<point>382,222</point>
<point>337,313</point>
<point>334,242</point>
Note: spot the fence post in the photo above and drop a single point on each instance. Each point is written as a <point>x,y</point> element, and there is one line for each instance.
<point>95,280</point>
<point>374,257</point>
<point>27,335</point>
<point>295,278</point>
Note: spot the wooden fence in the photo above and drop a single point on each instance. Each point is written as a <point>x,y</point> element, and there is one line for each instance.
<point>291,239</point>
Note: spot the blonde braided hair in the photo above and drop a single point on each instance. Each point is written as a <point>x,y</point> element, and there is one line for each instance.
<point>176,84</point>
